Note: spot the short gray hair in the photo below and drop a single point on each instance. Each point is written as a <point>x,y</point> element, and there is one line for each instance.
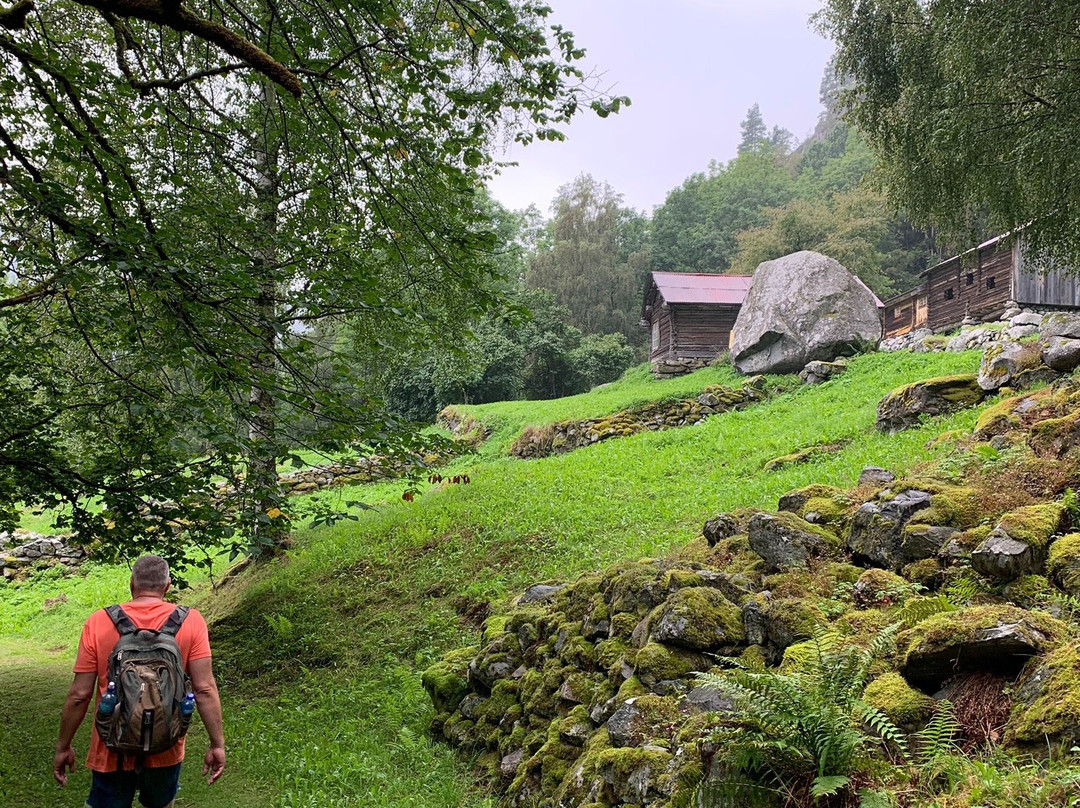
<point>150,574</point>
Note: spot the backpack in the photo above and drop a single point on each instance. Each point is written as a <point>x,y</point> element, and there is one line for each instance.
<point>150,685</point>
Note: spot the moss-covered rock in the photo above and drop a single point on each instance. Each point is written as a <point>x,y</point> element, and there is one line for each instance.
<point>1063,563</point>
<point>1046,705</point>
<point>802,456</point>
<point>904,705</point>
<point>659,663</point>
<point>1055,437</point>
<point>904,406</point>
<point>795,501</point>
<point>1020,541</point>
<point>1029,591</point>
<point>776,623</point>
<point>699,619</point>
<point>445,681</point>
<point>999,418</point>
<point>997,638</point>
<point>783,540</point>
<point>880,588</point>
<point>925,573</point>
<point>1035,525</point>
<point>636,774</point>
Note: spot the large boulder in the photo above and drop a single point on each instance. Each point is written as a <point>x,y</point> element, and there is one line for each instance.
<point>800,308</point>
<point>904,406</point>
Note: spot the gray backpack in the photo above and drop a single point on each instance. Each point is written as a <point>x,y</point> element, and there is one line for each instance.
<point>150,685</point>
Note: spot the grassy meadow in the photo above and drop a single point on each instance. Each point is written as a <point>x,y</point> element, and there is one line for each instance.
<point>319,653</point>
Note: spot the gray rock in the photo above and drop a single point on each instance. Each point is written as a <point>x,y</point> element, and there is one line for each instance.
<point>1062,353</point>
<point>621,724</point>
<point>707,700</point>
<point>924,541</point>
<point>697,619</point>
<point>755,623</point>
<point>1026,318</point>
<point>540,593</point>
<point>1016,332</point>
<point>818,372</point>
<point>604,710</point>
<point>783,543</point>
<point>720,527</point>
<point>732,586</point>
<point>1061,324</point>
<point>904,406</point>
<point>875,475</point>
<point>470,706</point>
<point>509,763</point>
<point>1001,556</point>
<point>1000,363</point>
<point>1026,379</point>
<point>876,533</point>
<point>800,308</point>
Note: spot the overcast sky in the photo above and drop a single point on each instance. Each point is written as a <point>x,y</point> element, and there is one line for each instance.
<point>692,68</point>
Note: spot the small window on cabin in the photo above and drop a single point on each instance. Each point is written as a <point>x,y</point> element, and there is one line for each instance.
<point>655,334</point>
<point>990,283</point>
<point>898,311</point>
<point>970,278</point>
<point>949,293</point>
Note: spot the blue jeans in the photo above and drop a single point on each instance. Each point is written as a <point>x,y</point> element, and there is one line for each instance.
<point>157,787</point>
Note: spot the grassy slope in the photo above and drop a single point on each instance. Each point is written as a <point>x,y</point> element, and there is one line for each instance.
<point>322,649</point>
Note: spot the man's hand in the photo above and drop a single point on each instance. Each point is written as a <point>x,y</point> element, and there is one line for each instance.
<point>213,764</point>
<point>63,762</point>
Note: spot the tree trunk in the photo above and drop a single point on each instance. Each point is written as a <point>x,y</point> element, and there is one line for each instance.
<point>263,491</point>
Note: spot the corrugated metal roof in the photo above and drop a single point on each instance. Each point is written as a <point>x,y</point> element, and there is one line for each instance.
<point>691,287</point>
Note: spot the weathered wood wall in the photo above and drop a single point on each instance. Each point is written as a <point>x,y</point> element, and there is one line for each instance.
<point>905,313</point>
<point>978,283</point>
<point>702,332</point>
<point>1037,284</point>
<point>660,325</point>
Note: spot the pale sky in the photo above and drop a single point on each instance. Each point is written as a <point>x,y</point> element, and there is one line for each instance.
<point>692,68</point>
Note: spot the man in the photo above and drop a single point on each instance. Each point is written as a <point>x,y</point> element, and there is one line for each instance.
<point>156,777</point>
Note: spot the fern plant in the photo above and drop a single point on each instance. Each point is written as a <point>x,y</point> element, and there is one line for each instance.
<point>805,727</point>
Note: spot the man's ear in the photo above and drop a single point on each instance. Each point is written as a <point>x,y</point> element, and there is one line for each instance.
<point>168,586</point>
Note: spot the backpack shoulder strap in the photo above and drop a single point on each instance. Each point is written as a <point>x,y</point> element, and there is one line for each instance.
<point>176,619</point>
<point>121,620</point>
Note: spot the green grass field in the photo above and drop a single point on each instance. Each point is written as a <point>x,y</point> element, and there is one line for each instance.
<point>319,653</point>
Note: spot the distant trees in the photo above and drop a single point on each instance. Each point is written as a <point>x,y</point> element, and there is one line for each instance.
<point>592,258</point>
<point>695,229</point>
<point>971,110</point>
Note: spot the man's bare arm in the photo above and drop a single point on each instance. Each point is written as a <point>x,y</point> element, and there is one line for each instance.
<point>78,699</point>
<point>208,701</point>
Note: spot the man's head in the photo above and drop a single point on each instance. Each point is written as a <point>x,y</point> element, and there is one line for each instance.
<point>150,576</point>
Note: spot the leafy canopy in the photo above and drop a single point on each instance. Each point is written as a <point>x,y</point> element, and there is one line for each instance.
<point>193,196</point>
<point>971,109</point>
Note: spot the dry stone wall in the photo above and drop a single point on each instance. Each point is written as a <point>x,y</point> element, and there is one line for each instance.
<point>566,436</point>
<point>586,692</point>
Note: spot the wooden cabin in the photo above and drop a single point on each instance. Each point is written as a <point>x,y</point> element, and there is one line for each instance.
<point>905,312</point>
<point>690,315</point>
<point>980,282</point>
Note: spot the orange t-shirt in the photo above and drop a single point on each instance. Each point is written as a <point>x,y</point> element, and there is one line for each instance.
<point>99,635</point>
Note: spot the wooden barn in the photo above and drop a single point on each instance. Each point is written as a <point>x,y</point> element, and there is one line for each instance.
<point>905,312</point>
<point>690,315</point>
<point>979,284</point>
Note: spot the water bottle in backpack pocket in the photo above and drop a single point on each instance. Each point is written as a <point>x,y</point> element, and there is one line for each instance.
<point>150,714</point>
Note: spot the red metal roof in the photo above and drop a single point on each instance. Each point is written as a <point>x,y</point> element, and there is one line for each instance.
<point>690,287</point>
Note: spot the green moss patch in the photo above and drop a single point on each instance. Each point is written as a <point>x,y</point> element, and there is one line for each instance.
<point>1063,563</point>
<point>904,705</point>
<point>1035,525</point>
